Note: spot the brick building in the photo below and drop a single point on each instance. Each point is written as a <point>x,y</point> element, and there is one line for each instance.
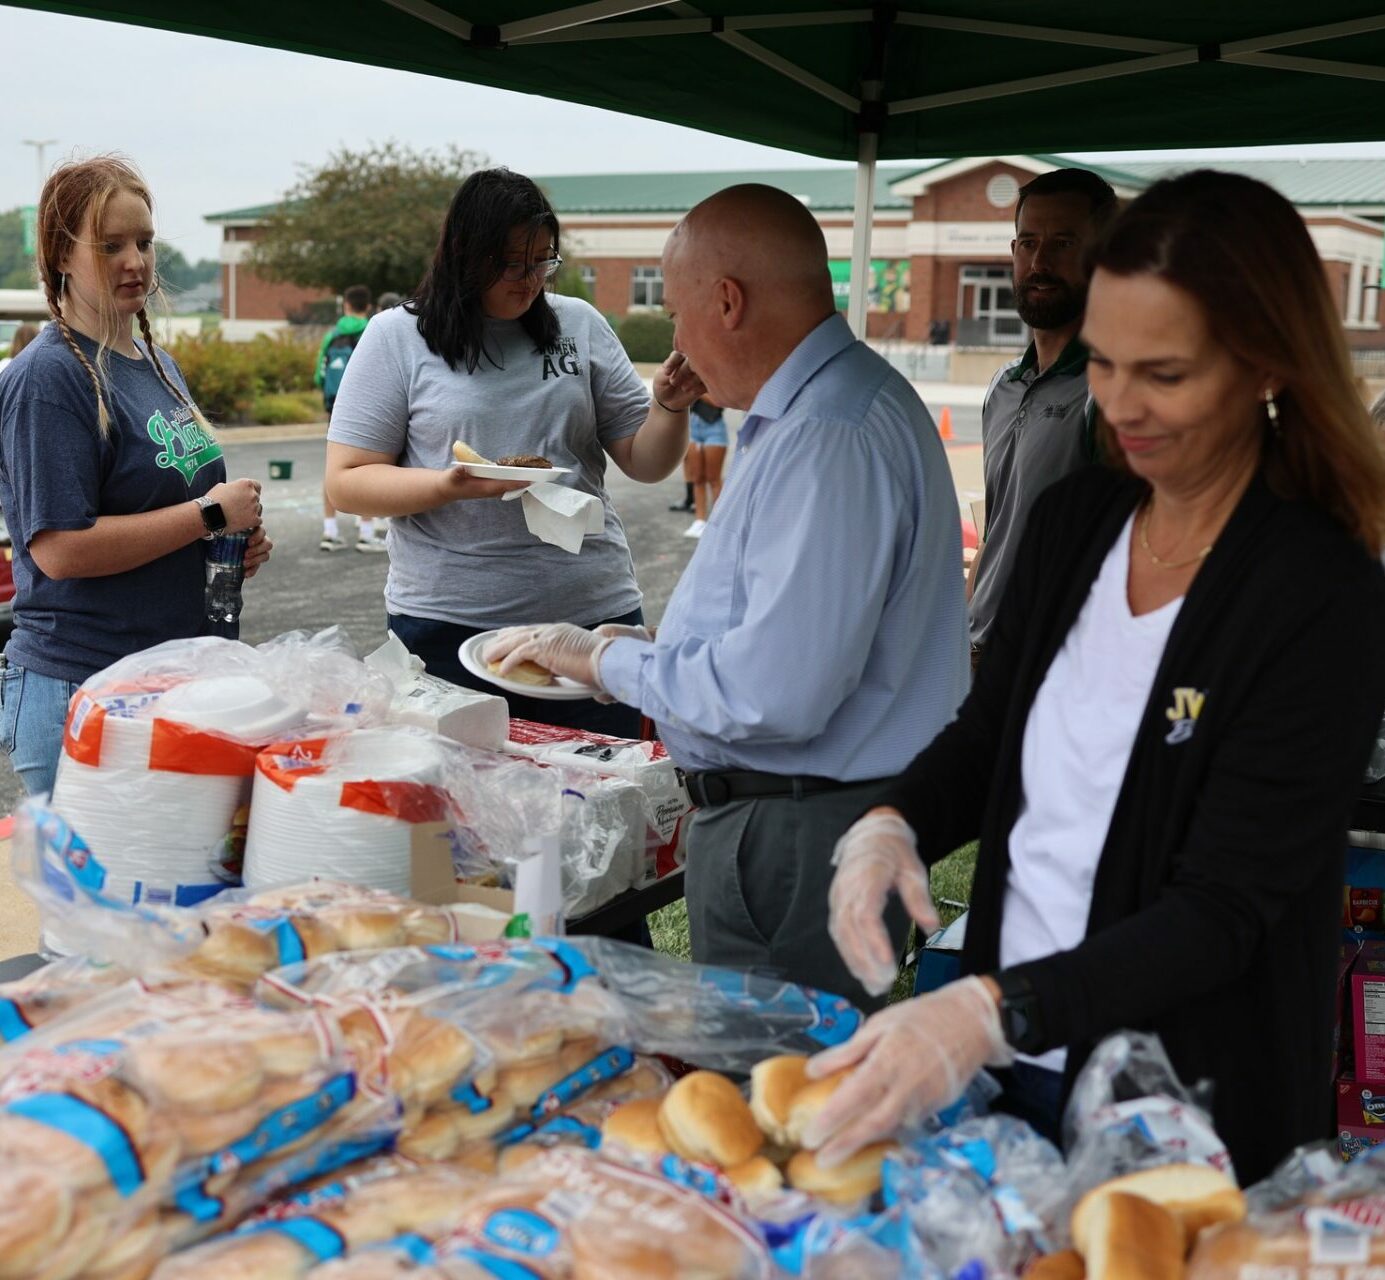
<point>940,243</point>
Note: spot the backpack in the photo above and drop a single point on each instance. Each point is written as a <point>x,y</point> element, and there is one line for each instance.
<point>334,367</point>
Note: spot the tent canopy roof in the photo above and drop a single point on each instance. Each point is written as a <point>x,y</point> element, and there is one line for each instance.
<point>948,78</point>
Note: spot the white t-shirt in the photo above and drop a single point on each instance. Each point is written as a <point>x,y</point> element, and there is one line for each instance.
<point>1077,744</point>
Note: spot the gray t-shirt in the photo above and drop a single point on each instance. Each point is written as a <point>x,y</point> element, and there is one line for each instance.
<point>475,563</point>
<point>1034,431</point>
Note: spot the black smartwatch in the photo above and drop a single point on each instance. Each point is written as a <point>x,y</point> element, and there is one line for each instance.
<point>1020,1017</point>
<point>213,518</point>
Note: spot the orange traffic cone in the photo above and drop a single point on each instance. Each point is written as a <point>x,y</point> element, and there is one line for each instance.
<point>945,423</point>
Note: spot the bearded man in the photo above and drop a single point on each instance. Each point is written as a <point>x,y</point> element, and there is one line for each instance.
<point>1036,421</point>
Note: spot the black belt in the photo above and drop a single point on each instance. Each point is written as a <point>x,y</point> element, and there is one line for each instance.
<point>722,786</point>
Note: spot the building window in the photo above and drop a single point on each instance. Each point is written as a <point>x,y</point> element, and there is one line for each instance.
<point>647,287</point>
<point>588,275</point>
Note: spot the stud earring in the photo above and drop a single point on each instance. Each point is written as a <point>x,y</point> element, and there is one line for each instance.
<point>1272,410</point>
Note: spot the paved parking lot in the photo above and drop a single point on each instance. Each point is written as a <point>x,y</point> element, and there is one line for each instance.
<point>303,587</point>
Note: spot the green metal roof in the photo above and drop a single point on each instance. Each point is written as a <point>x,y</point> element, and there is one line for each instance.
<point>954,77</point>
<point>1336,183</point>
<point>678,192</point>
<point>1306,182</point>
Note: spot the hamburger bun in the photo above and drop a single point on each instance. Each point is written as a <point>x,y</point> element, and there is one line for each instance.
<point>756,1177</point>
<point>848,1182</point>
<point>705,1118</point>
<point>1196,1195</point>
<point>465,453</point>
<point>774,1083</point>
<point>807,1102</point>
<point>1126,1237</point>
<point>35,1213</point>
<point>524,673</point>
<point>1065,1265</point>
<point>635,1126</point>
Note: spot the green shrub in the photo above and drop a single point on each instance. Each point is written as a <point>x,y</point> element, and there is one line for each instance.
<point>647,336</point>
<point>278,408</point>
<point>281,363</point>
<point>219,375</point>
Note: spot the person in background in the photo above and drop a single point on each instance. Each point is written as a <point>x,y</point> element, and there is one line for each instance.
<point>110,477</point>
<point>388,300</point>
<point>817,639</point>
<point>485,355</point>
<point>332,358</point>
<point>705,460</point>
<point>1036,419</point>
<point>23,336</point>
<point>1165,738</point>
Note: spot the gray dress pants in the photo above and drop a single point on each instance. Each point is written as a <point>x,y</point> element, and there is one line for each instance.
<point>757,878</point>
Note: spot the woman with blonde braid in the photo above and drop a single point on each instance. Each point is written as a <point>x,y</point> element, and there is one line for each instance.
<point>110,477</point>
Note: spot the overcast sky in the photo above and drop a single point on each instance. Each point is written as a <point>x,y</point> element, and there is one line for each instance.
<point>220,126</point>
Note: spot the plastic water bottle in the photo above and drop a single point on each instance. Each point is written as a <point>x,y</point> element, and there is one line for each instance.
<point>225,574</point>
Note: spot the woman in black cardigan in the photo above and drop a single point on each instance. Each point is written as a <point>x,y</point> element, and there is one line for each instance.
<point>1167,732</point>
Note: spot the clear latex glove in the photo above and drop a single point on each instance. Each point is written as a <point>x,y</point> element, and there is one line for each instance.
<point>619,631</point>
<point>559,647</point>
<point>877,854</point>
<point>907,1062</point>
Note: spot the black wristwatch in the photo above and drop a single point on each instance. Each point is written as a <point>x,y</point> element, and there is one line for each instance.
<point>213,518</point>
<point>1020,1017</point>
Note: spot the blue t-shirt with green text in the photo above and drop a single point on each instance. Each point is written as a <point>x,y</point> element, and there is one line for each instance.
<point>57,473</point>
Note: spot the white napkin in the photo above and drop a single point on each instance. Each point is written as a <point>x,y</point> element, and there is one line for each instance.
<point>560,516</point>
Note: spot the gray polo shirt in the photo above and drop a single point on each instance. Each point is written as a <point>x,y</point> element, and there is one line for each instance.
<point>1035,429</point>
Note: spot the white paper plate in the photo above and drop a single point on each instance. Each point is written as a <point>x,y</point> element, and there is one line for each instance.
<point>563,690</point>
<point>494,471</point>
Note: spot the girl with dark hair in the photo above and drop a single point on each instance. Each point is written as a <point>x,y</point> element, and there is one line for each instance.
<point>482,353</point>
<point>1167,730</point>
<point>110,477</point>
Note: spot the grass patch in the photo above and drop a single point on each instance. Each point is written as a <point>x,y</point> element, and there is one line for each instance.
<point>281,408</point>
<point>669,928</point>
<point>951,883</point>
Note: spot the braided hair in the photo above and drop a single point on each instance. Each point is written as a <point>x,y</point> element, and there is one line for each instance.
<point>75,196</point>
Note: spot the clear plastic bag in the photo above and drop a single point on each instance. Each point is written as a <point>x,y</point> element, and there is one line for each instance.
<point>370,1204</point>
<point>722,1019</point>
<point>987,1190</point>
<point>159,750</point>
<point>1128,1111</point>
<point>52,991</point>
<point>1313,1218</point>
<point>233,938</point>
<point>148,1118</point>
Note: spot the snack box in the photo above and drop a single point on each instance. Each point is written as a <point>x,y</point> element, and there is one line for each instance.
<point>667,806</point>
<point>1367,1011</point>
<point>1353,1140</point>
<point>1363,892</point>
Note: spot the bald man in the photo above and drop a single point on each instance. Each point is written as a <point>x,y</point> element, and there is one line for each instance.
<point>817,640</point>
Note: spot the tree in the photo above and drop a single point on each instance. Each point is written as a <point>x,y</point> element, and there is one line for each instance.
<point>366,217</point>
<point>16,266</point>
<point>177,272</point>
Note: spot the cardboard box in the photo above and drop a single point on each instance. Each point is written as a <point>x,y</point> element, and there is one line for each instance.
<point>1343,1056</point>
<point>1368,1011</point>
<point>667,808</point>
<point>1351,1141</point>
<point>1363,893</point>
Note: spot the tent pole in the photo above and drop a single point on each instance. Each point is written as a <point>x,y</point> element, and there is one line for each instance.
<point>862,220</point>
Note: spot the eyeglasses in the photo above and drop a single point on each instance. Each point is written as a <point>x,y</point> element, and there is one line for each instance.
<point>545,269</point>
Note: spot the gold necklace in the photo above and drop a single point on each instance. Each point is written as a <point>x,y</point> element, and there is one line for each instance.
<point>1149,551</point>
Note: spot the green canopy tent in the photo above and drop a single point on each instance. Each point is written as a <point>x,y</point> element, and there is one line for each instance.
<point>949,78</point>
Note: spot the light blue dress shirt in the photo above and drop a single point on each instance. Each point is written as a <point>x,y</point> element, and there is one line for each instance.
<point>820,627</point>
